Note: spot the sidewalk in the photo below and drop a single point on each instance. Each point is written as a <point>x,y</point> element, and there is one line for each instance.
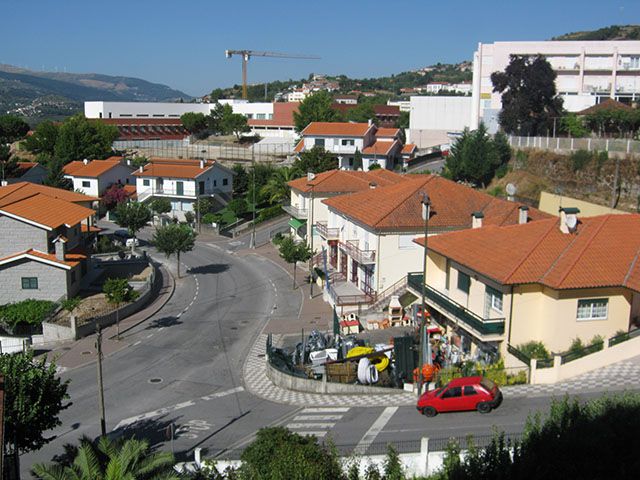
<point>82,352</point>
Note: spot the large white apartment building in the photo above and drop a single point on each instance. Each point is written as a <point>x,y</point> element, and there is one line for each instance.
<point>587,72</point>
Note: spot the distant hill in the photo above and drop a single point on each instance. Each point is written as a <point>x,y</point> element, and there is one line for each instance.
<point>614,32</point>
<point>38,95</point>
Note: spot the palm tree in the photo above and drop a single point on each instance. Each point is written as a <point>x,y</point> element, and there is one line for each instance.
<point>276,189</point>
<point>108,460</point>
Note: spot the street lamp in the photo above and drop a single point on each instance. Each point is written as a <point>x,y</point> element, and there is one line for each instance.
<point>310,177</point>
<point>426,211</point>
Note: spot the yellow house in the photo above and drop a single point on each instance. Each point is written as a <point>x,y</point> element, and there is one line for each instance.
<point>551,281</point>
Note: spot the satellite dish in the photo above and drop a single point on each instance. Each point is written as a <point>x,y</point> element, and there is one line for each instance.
<point>571,222</point>
<point>511,189</point>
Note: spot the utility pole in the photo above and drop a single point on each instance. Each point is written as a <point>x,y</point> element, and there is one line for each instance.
<point>103,425</point>
<point>310,177</point>
<point>253,213</point>
<point>426,210</point>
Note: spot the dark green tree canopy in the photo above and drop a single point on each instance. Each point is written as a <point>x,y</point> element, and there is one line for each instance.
<point>529,97</point>
<point>160,205</point>
<point>315,108</point>
<point>196,123</point>
<point>133,216</point>
<point>79,138</point>
<point>293,253</point>
<point>12,128</point>
<point>316,160</point>
<point>44,138</point>
<point>174,239</point>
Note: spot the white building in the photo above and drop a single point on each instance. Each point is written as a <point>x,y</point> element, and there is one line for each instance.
<point>433,120</point>
<point>183,182</point>
<point>403,105</point>
<point>93,177</point>
<point>587,72</point>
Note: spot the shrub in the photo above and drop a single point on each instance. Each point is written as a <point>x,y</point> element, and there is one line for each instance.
<point>106,245</point>
<point>619,337</point>
<point>268,213</point>
<point>517,379</point>
<point>208,218</point>
<point>277,239</point>
<point>580,159</point>
<point>189,217</point>
<point>576,346</point>
<point>30,312</point>
<point>502,170</point>
<point>535,350</point>
<point>70,304</point>
<point>497,191</point>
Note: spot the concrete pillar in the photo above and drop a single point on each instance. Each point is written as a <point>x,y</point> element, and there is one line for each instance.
<point>424,450</point>
<point>533,365</point>
<point>74,326</point>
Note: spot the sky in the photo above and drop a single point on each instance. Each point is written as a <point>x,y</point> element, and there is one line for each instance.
<point>181,43</point>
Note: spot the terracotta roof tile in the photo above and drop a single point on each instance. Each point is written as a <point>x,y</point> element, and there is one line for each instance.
<point>174,168</point>
<point>346,181</point>
<point>70,260</point>
<point>379,147</point>
<point>20,190</point>
<point>603,252</point>
<point>387,132</point>
<point>409,148</point>
<point>92,169</point>
<point>299,146</point>
<point>47,211</point>
<point>344,129</point>
<point>398,207</point>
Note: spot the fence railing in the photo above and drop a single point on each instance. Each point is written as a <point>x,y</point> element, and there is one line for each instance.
<point>325,232</point>
<point>620,145</point>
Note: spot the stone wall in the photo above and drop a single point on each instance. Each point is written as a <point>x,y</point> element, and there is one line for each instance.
<point>52,281</point>
<point>19,236</point>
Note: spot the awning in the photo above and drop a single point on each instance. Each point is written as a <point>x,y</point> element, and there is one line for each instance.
<point>296,224</point>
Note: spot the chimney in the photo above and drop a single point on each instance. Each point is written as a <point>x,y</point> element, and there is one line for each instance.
<point>85,161</point>
<point>141,169</point>
<point>372,185</point>
<point>129,162</point>
<point>60,243</point>
<point>370,122</point>
<point>201,163</point>
<point>523,214</point>
<point>568,219</point>
<point>476,219</point>
<point>4,183</point>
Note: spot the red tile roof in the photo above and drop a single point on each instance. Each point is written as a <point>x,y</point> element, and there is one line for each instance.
<point>92,169</point>
<point>607,105</point>
<point>380,147</point>
<point>174,168</point>
<point>140,121</point>
<point>398,207</point>
<point>47,211</point>
<point>408,149</point>
<point>344,129</point>
<point>21,190</point>
<point>346,181</point>
<point>299,146</point>
<point>386,109</point>
<point>602,252</point>
<point>387,132</point>
<point>70,259</point>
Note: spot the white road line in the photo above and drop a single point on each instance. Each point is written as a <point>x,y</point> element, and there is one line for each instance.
<point>155,413</point>
<point>304,418</point>
<point>137,343</point>
<point>375,429</point>
<point>315,434</point>
<point>309,425</point>
<point>326,410</point>
<point>150,335</point>
<point>222,394</point>
<point>160,329</point>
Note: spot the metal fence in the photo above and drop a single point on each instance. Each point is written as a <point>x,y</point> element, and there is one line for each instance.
<point>613,145</point>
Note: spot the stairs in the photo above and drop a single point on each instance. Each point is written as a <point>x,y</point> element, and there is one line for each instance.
<point>382,297</point>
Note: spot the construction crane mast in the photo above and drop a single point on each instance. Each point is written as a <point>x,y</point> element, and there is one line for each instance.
<point>247,54</point>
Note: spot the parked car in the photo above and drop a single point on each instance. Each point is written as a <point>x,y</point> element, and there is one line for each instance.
<point>132,242</point>
<point>466,393</point>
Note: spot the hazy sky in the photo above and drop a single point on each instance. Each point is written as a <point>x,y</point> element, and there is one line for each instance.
<point>181,43</point>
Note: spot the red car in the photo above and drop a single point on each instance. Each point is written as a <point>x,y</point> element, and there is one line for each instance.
<point>466,393</point>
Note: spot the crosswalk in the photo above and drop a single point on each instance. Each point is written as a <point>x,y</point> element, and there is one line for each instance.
<point>316,421</point>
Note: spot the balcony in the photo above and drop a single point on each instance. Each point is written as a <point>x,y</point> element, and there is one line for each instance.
<point>176,192</point>
<point>363,257</point>
<point>294,211</point>
<point>454,310</point>
<point>327,233</point>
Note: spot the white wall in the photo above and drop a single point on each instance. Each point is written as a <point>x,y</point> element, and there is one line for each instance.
<point>88,186</point>
<point>439,113</point>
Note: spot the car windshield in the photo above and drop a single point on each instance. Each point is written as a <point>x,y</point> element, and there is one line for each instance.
<point>487,384</point>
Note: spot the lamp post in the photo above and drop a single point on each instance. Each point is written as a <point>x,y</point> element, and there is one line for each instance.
<point>310,177</point>
<point>426,211</point>
<point>253,213</point>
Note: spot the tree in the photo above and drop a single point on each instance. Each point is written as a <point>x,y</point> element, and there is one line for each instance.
<point>12,128</point>
<point>235,123</point>
<point>133,216</point>
<point>174,239</point>
<point>139,161</point>
<point>112,460</point>
<point>314,108</point>
<point>529,99</point>
<point>240,180</point>
<point>80,138</point>
<point>44,138</point>
<point>362,113</point>
<point>118,291</point>
<point>403,121</point>
<point>114,195</point>
<point>34,397</point>
<point>293,252</point>
<point>195,123</point>
<point>573,126</point>
<point>316,160</point>
<point>160,205</point>
<point>56,177</point>
<point>278,453</point>
<point>374,166</point>
<point>276,189</point>
<point>238,206</point>
<point>475,156</point>
<point>357,160</point>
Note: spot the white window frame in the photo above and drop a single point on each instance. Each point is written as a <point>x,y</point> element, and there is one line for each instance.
<point>86,183</point>
<point>590,303</point>
<point>495,302</point>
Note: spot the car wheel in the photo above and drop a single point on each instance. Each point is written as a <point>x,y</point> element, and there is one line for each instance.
<point>429,412</point>
<point>484,407</point>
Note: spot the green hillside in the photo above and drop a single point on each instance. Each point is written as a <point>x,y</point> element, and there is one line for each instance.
<point>614,32</point>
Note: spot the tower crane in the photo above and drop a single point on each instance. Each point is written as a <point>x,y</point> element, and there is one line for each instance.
<point>247,54</point>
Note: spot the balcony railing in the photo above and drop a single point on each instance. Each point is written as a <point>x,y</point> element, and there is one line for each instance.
<point>294,211</point>
<point>483,326</point>
<point>325,232</point>
<point>174,192</point>
<point>360,256</point>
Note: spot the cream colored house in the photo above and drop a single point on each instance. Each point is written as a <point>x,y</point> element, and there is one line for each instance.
<point>370,235</point>
<point>551,281</point>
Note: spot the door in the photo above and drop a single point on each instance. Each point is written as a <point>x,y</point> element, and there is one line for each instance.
<point>160,185</point>
<point>366,282</point>
<point>451,399</point>
<point>343,264</point>
<point>179,188</point>
<point>354,272</point>
<point>333,256</point>
<point>201,188</point>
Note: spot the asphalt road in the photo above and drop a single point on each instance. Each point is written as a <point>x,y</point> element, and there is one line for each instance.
<point>182,371</point>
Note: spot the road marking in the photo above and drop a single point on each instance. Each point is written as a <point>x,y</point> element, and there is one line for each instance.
<point>137,343</point>
<point>150,335</point>
<point>315,434</point>
<point>309,425</point>
<point>160,329</point>
<point>223,394</point>
<point>302,418</point>
<point>162,411</point>
<point>375,429</point>
<point>325,409</point>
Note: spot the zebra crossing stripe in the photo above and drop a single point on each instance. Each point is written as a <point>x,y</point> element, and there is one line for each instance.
<point>309,425</point>
<point>315,434</point>
<point>326,410</point>
<point>304,418</point>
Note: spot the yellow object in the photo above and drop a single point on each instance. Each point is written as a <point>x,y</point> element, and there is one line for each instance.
<point>380,361</point>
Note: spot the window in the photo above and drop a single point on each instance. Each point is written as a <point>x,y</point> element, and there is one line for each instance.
<point>469,390</point>
<point>215,183</point>
<point>593,309</point>
<point>319,142</point>
<point>86,183</point>
<point>260,116</point>
<point>146,182</point>
<point>494,298</point>
<point>249,116</point>
<point>453,392</point>
<point>225,181</point>
<point>29,283</point>
<point>347,142</point>
<point>464,282</point>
